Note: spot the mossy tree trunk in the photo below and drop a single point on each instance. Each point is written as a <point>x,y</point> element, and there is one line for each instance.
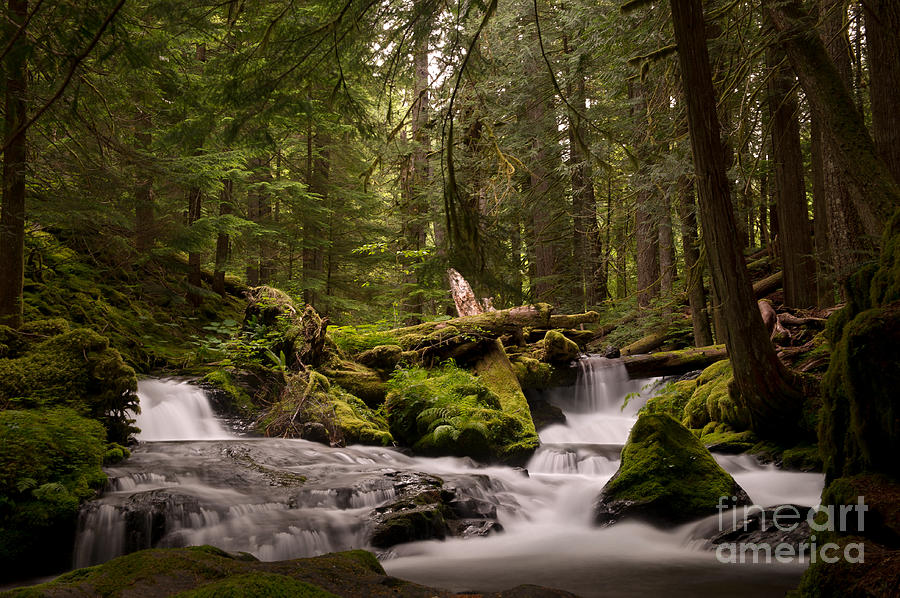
<point>646,230</point>
<point>872,190</point>
<point>824,269</point>
<point>226,207</point>
<point>318,170</point>
<point>796,247</point>
<point>765,386</point>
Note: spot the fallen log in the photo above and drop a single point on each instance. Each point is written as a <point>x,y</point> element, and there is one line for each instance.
<point>668,363</point>
<point>646,344</point>
<point>767,285</point>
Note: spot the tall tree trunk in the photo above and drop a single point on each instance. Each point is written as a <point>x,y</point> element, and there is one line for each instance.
<point>883,48</point>
<point>796,247</point>
<point>226,207</point>
<point>587,246</point>
<point>824,268</point>
<point>417,177</point>
<point>144,217</point>
<point>846,231</point>
<point>693,267</point>
<point>195,259</point>
<point>318,173</point>
<point>765,386</point>
<point>646,230</point>
<point>15,164</point>
<point>621,243</point>
<point>667,268</point>
<point>873,191</point>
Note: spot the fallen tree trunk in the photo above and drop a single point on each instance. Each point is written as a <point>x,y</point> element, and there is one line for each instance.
<point>767,285</point>
<point>646,344</point>
<point>668,363</point>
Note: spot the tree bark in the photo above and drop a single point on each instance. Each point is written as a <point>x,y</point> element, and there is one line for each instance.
<point>144,225</point>
<point>873,191</point>
<point>195,259</point>
<point>15,164</point>
<point>883,48</point>
<point>667,268</point>
<point>318,172</point>
<point>463,296</point>
<point>796,248</point>
<point>824,269</point>
<point>765,386</point>
<point>226,207</point>
<point>693,267</point>
<point>646,230</point>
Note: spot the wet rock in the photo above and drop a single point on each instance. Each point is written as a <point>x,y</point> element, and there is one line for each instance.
<point>427,509</point>
<point>544,413</point>
<point>666,477</point>
<point>610,352</point>
<point>315,432</point>
<point>782,524</point>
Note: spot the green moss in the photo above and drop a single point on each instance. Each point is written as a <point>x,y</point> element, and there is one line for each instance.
<point>557,348</point>
<point>712,400</point>
<point>725,438</point>
<point>666,471</point>
<point>672,398</point>
<point>535,374</point>
<point>236,400</point>
<point>208,571</point>
<point>358,380</point>
<point>258,584</point>
<point>449,411</point>
<point>74,368</point>
<point>383,357</point>
<point>50,461</point>
<point>860,422</point>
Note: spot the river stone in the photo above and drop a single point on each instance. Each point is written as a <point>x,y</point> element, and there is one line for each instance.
<point>783,524</point>
<point>666,477</point>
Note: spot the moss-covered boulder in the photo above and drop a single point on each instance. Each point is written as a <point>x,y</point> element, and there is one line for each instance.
<point>671,399</point>
<point>50,461</point>
<point>201,571</point>
<point>312,399</point>
<point>559,349</point>
<point>534,374</point>
<point>449,411</point>
<point>666,477</point>
<point>713,400</point>
<point>719,437</point>
<point>49,365</point>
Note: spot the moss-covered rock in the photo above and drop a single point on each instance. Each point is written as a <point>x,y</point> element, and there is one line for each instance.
<point>314,400</point>
<point>666,477</point>
<point>50,461</point>
<point>55,366</point>
<point>672,398</point>
<point>534,374</point>
<point>722,438</point>
<point>227,394</point>
<point>257,584</point>
<point>449,411</point>
<point>558,349</point>
<point>713,400</point>
<point>861,420</point>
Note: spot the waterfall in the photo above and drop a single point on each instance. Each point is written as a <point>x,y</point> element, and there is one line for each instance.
<point>173,410</point>
<point>282,499</point>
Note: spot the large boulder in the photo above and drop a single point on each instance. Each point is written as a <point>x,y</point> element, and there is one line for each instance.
<point>559,349</point>
<point>666,477</point>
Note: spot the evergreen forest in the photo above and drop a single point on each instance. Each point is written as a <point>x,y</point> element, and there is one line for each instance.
<point>393,297</point>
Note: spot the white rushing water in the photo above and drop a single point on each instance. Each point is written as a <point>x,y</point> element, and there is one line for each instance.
<point>239,495</point>
<point>172,410</point>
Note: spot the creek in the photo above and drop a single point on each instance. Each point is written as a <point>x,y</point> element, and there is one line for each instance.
<point>192,481</point>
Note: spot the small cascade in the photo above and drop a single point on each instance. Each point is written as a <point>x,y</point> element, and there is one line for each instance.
<point>172,410</point>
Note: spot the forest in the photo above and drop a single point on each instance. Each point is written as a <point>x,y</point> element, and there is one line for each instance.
<point>391,297</point>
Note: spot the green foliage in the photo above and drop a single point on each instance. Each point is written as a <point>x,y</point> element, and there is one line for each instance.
<point>671,399</point>
<point>50,461</point>
<point>54,366</point>
<point>449,411</point>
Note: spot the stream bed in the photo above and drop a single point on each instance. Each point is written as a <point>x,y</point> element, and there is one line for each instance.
<point>191,481</point>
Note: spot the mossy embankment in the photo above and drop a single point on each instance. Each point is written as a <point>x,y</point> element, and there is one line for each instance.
<point>64,394</point>
<point>202,571</point>
<point>859,429</point>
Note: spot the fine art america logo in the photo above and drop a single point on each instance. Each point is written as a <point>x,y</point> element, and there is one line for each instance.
<point>787,519</point>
